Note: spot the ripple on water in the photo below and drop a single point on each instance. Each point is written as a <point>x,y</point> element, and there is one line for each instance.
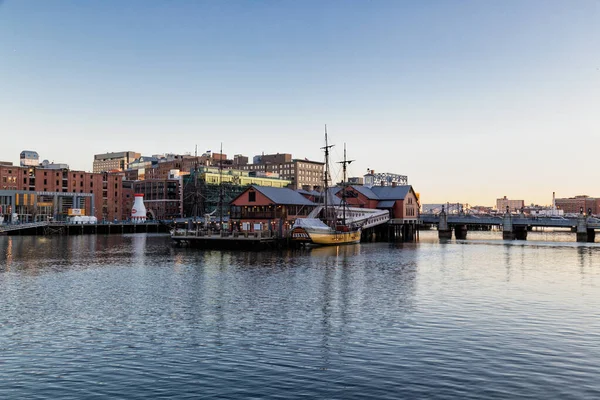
<point>132,317</point>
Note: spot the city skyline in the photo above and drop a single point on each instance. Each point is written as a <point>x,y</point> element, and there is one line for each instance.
<point>472,101</point>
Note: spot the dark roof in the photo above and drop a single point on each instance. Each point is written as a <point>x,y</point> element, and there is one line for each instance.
<point>365,191</point>
<point>332,199</point>
<point>284,196</point>
<point>391,192</point>
<point>386,204</point>
<point>334,190</point>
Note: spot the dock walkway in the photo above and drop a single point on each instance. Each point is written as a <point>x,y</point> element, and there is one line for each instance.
<point>224,239</point>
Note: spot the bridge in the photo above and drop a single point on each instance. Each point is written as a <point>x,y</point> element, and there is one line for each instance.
<point>514,226</point>
<point>4,229</point>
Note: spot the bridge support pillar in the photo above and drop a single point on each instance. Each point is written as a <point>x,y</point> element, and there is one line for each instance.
<point>507,227</point>
<point>508,235</point>
<point>591,235</point>
<point>582,230</point>
<point>444,230</point>
<point>460,232</point>
<point>520,232</point>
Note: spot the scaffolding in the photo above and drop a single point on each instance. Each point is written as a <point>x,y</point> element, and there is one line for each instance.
<point>200,197</point>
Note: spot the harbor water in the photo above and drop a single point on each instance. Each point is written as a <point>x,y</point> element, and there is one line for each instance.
<point>132,317</point>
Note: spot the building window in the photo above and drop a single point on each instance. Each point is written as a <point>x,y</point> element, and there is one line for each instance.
<point>251,196</point>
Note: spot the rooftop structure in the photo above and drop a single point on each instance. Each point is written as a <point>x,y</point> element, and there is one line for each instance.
<point>384,179</point>
<point>29,158</point>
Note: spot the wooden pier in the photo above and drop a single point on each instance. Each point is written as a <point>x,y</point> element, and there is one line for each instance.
<point>56,228</point>
<point>227,240</point>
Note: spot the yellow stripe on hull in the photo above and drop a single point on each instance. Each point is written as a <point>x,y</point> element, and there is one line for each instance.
<point>335,238</point>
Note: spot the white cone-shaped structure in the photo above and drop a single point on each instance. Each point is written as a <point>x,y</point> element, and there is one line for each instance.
<point>138,211</point>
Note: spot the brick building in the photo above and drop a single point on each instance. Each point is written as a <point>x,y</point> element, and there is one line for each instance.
<point>163,198</point>
<point>573,205</point>
<point>105,188</point>
<point>513,205</point>
<point>304,174</point>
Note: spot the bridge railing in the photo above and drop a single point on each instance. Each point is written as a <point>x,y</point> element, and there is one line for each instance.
<point>556,222</point>
<point>16,227</point>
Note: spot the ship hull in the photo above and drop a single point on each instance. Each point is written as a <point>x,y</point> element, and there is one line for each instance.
<point>332,238</point>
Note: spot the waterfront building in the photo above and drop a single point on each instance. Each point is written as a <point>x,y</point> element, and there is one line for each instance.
<point>573,205</point>
<point>26,206</point>
<point>402,201</point>
<point>513,205</point>
<point>384,179</point>
<point>117,161</point>
<point>260,208</point>
<point>29,158</point>
<point>111,197</point>
<point>127,199</point>
<point>105,189</point>
<point>303,173</point>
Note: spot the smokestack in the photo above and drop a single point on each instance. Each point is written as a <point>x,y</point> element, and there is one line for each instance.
<point>554,200</point>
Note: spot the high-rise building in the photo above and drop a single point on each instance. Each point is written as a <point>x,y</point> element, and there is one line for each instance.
<point>118,161</point>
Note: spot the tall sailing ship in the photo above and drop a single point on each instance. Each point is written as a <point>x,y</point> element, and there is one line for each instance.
<point>325,226</point>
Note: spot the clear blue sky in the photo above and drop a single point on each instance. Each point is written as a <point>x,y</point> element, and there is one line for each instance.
<point>473,100</point>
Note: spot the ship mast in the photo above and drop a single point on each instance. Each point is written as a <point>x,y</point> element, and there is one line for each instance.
<point>344,165</point>
<point>221,188</point>
<point>326,176</point>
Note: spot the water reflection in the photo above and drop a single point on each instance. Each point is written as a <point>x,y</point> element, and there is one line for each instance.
<point>339,252</point>
<point>99,315</point>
